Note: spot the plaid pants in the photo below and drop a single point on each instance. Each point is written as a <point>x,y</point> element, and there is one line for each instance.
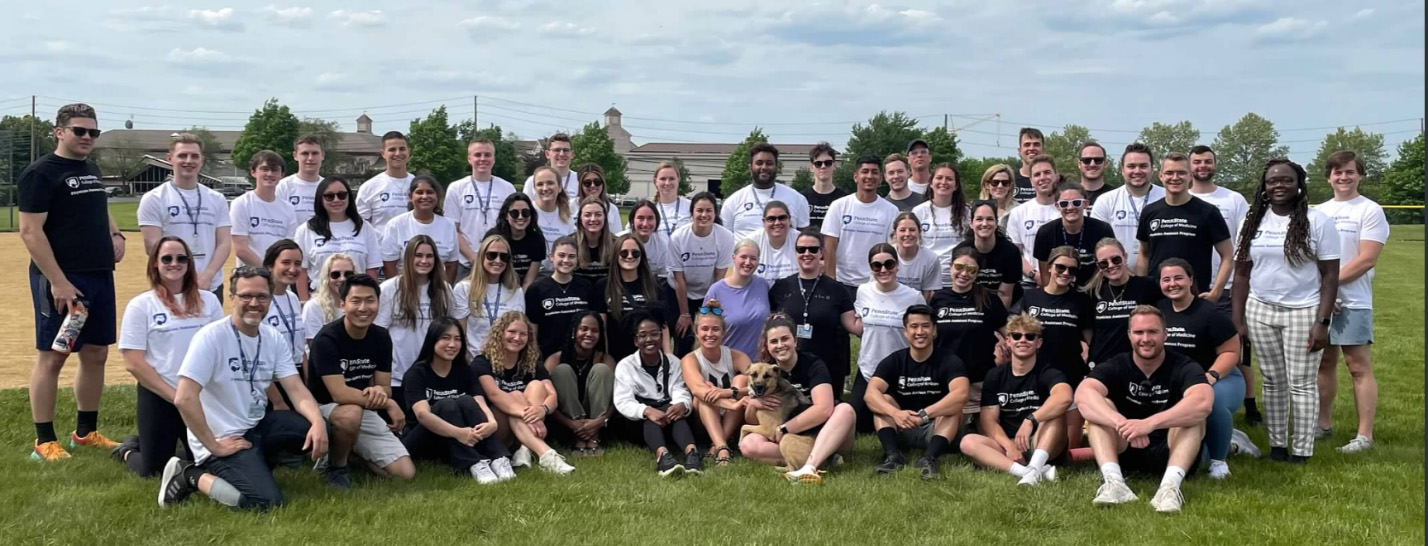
<point>1280,336</point>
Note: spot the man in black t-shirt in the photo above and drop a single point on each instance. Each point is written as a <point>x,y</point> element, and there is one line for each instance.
<point>916,396</point>
<point>73,244</point>
<point>824,160</point>
<point>1186,227</point>
<point>1147,409</point>
<point>1023,418</point>
<point>351,379</point>
<point>1093,164</point>
<point>1075,228</point>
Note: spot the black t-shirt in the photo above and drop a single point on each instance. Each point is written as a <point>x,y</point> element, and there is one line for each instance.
<point>818,204</point>
<point>524,252</point>
<point>1063,317</point>
<point>1053,234</point>
<point>810,372</point>
<point>1018,396</point>
<point>1189,232</point>
<point>827,301</point>
<point>596,268</point>
<point>1113,309</point>
<point>509,380</point>
<point>551,306</point>
<point>967,332</point>
<point>1197,331</point>
<point>1024,190</point>
<point>356,360</point>
<point>421,383</point>
<point>77,226</point>
<point>621,343</point>
<point>1137,396</point>
<point>1001,265</point>
<point>1096,194</point>
<point>916,385</point>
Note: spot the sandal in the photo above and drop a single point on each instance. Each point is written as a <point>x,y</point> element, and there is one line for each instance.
<point>593,450</point>
<point>722,460</point>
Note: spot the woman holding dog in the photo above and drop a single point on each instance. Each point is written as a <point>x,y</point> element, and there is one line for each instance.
<point>715,376</point>
<point>819,429</point>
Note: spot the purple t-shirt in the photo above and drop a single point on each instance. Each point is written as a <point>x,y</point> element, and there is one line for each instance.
<point>745,310</point>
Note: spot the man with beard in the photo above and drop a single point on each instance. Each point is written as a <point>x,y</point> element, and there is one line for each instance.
<point>1121,207</point>
<point>743,212</point>
<point>919,158</point>
<point>1029,145</point>
<point>1091,161</point>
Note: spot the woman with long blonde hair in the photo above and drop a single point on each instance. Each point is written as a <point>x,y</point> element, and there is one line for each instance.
<point>553,214</point>
<point>325,305</point>
<point>999,185</point>
<point>509,369</point>
<point>489,292</point>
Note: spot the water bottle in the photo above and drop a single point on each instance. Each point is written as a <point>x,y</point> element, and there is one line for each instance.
<point>69,330</point>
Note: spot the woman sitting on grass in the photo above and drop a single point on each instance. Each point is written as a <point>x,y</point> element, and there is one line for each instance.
<point>649,389</point>
<point>715,376</point>
<point>519,388</point>
<point>584,378</point>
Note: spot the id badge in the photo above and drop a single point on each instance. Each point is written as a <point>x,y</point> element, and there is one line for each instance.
<point>805,331</point>
<point>256,410</point>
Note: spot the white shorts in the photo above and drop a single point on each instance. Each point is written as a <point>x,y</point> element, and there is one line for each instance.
<point>375,442</point>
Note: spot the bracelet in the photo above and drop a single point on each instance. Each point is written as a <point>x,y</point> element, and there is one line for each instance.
<point>1034,423</point>
<point>546,408</point>
<point>117,234</point>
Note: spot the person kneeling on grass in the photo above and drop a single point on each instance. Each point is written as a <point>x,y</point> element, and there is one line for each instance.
<point>1023,418</point>
<point>451,421</point>
<point>351,379</point>
<point>1146,409</point>
<point>916,396</point>
<point>222,395</point>
<point>649,388</point>
<point>520,390</point>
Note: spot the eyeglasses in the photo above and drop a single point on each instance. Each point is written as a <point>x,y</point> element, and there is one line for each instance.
<point>167,259</point>
<point>81,131</point>
<point>1281,181</point>
<point>631,254</point>
<point>970,269</point>
<point>1018,336</point>
<point>561,151</point>
<point>592,182</point>
<point>1092,160</point>
<point>493,256</point>
<point>257,298</point>
<point>1070,203</point>
<point>807,249</point>
<point>716,311</point>
<point>998,182</point>
<point>919,151</point>
<point>520,213</point>
<point>823,164</point>
<point>777,218</point>
<point>1062,269</point>
<point>337,196</point>
<point>334,275</point>
<point>1107,263</point>
<point>885,265</point>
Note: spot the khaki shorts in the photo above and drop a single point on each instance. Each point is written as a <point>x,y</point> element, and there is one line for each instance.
<point>375,442</point>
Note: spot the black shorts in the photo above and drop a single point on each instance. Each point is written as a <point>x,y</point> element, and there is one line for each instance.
<point>97,288</point>
<point>1152,459</point>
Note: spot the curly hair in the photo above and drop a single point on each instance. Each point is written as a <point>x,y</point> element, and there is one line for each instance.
<point>1024,323</point>
<point>493,348</point>
<point>1296,241</point>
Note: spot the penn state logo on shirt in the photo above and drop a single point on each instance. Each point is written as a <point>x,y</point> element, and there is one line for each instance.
<point>385,196</point>
<point>253,221</point>
<point>234,365</point>
<point>748,206</point>
<point>72,182</point>
<point>160,319</point>
<point>944,312</point>
<point>1033,311</point>
<point>863,311</point>
<point>1120,215</point>
<point>1003,398</point>
<point>1133,388</point>
<point>342,363</point>
<point>762,267</point>
<point>173,211</point>
<point>548,304</point>
<point>684,257</point>
<point>1101,306</point>
<point>273,321</point>
<point>469,199</point>
<point>926,227</point>
<point>319,242</point>
<point>1030,223</point>
<point>847,219</point>
<point>1257,233</point>
<point>901,382</point>
<point>1155,224</point>
<point>294,199</point>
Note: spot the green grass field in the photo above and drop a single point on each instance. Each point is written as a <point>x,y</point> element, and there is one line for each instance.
<point>125,214</point>
<point>1373,498</point>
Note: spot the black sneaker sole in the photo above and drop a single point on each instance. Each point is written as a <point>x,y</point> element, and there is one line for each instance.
<point>173,470</point>
<point>676,470</point>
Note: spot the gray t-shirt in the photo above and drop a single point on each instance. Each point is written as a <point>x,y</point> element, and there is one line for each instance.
<point>912,200</point>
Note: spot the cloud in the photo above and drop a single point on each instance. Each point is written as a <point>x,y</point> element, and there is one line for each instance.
<point>1366,12</point>
<point>291,16</point>
<point>221,19</point>
<point>193,90</point>
<point>1289,29</point>
<point>360,18</point>
<point>488,22</point>
<point>58,46</point>
<point>333,81</point>
<point>198,55</point>
<point>566,28</point>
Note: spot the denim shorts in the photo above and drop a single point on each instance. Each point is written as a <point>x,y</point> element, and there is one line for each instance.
<point>1350,327</point>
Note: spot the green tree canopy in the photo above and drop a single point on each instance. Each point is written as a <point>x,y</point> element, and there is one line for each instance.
<point>802,179</point>
<point>1241,150</point>
<point>736,169</point>
<point>1165,138</point>
<point>15,132</point>
<point>1064,147</point>
<point>272,127</point>
<point>328,135</point>
<point>972,168</point>
<point>436,148</point>
<point>885,133</point>
<point>510,163</point>
<point>684,177</point>
<point>593,145</point>
<point>1403,182</point>
<point>1369,147</point>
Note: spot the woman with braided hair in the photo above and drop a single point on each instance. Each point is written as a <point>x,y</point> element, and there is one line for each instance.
<point>1292,254</point>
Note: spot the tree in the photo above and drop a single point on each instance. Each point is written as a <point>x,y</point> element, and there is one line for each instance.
<point>736,173</point>
<point>802,179</point>
<point>1403,182</point>
<point>124,159</point>
<point>593,145</point>
<point>1369,147</point>
<point>883,135</point>
<point>971,170</point>
<point>510,163</point>
<point>1242,149</point>
<point>436,148</point>
<point>1163,138</point>
<point>942,145</point>
<point>328,135</point>
<point>15,132</point>
<point>210,144</point>
<point>272,127</point>
<point>684,185</point>
<point>1064,147</point>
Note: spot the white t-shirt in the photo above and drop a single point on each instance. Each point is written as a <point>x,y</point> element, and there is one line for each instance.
<point>1358,219</point>
<point>858,226</point>
<point>192,215</point>
<point>922,273</point>
<point>402,228</point>
<point>571,186</point>
<point>775,263</point>
<point>364,247</point>
<point>882,322</point>
<point>406,340</point>
<point>1233,208</point>
<point>699,256</point>
<point>382,198</point>
<point>940,236</point>
<point>674,215</point>
<point>612,214</point>
<point>474,206</point>
<point>916,187</point>
<point>1122,211</point>
<point>262,222</point>
<point>285,316</point>
<point>552,228</point>
<point>478,319</point>
<point>313,319</point>
<point>300,194</point>
<point>234,379</point>
<point>659,252</point>
<point>1024,220</point>
<point>743,212</point>
<point>1273,279</point>
<point>149,326</point>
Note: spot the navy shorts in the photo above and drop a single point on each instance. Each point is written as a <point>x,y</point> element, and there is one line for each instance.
<point>97,289</point>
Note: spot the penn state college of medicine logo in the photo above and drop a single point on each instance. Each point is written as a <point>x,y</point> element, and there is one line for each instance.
<point>386,196</point>
<point>1034,311</point>
<point>863,311</point>
<point>748,206</point>
<point>944,312</point>
<point>468,198</point>
<point>294,199</point>
<point>1102,306</point>
<point>1120,215</point>
<point>233,364</point>
<point>1030,223</point>
<point>847,219</point>
<point>1002,399</point>
<point>1155,224</point>
<point>342,363</point>
<point>548,304</point>
<point>319,242</point>
<point>763,267</point>
<point>273,321</point>
<point>684,257</point>
<point>72,182</point>
<point>173,211</point>
<point>253,221</point>
<point>926,227</point>
<point>161,318</point>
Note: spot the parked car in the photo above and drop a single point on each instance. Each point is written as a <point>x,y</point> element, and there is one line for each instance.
<point>111,191</point>
<point>231,191</point>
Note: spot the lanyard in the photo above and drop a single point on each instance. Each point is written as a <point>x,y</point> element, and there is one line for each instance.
<point>288,325</point>
<point>492,309</point>
<point>1143,200</point>
<point>773,194</point>
<point>486,202</point>
<point>1066,237</point>
<point>243,360</point>
<point>192,213</point>
<point>808,295</point>
<point>664,216</point>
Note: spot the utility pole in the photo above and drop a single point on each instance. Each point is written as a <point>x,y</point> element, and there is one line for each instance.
<point>945,128</point>
<point>475,111</point>
<point>32,128</point>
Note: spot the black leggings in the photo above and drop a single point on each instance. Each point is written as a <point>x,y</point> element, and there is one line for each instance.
<point>657,436</point>
<point>161,429</point>
<point>864,422</point>
<point>461,412</point>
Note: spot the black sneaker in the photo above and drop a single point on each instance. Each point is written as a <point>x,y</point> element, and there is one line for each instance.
<point>174,486</point>
<point>1253,418</point>
<point>122,450</point>
<point>892,462</point>
<point>927,467</point>
<point>667,466</point>
<point>1298,459</point>
<point>1280,454</point>
<point>694,462</point>
<point>337,476</point>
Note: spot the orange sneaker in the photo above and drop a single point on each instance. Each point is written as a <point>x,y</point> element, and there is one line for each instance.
<point>48,451</point>
<point>93,439</point>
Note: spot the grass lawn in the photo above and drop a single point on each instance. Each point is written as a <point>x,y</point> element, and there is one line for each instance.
<point>125,214</point>
<point>1373,498</point>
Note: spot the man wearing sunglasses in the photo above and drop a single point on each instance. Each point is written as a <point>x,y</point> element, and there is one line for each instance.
<point>824,160</point>
<point>1122,207</point>
<point>919,159</point>
<point>193,212</point>
<point>1182,226</point>
<point>73,244</point>
<point>743,212</point>
<point>558,153</point>
<point>1030,144</point>
<point>1146,410</point>
<point>1092,163</point>
<point>1023,417</point>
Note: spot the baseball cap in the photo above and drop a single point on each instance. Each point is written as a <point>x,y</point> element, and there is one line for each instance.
<point>915,142</point>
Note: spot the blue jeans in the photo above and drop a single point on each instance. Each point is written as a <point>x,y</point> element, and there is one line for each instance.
<point>1229,394</point>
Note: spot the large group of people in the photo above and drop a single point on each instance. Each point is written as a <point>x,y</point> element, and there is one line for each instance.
<point>484,326</point>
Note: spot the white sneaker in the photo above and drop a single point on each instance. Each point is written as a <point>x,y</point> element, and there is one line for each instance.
<point>483,474</point>
<point>803,476</point>
<point>553,462</point>
<point>1167,500</point>
<point>503,470</point>
<point>1030,478</point>
<point>320,465</point>
<point>1111,493</point>
<point>1358,445</point>
<point>1219,470</point>
<point>1048,473</point>
<point>521,458</point>
<point>1243,444</point>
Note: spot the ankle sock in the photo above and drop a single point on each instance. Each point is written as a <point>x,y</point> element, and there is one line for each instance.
<point>86,422</point>
<point>1039,458</point>
<point>1173,476</point>
<point>1017,469</point>
<point>45,432</point>
<point>1111,472</point>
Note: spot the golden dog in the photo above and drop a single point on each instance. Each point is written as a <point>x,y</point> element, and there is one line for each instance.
<point>771,380</point>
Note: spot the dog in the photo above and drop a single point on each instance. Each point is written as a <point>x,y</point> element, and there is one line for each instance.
<point>771,380</point>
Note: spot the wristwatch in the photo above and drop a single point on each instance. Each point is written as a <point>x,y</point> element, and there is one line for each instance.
<point>733,393</point>
<point>783,429</point>
<point>1034,423</point>
<point>922,413</point>
<point>1214,374</point>
<point>1324,321</point>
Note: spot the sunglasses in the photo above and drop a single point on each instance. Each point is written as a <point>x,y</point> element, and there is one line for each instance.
<point>520,213</point>
<point>338,196</point>
<point>807,249</point>
<point>971,269</point>
<point>778,218</point>
<point>1018,336</point>
<point>334,275</point>
<point>1062,269</point>
<point>493,256</point>
<point>998,182</point>
<point>822,164</point>
<point>716,311</point>
<point>885,265</point>
<point>1070,203</point>
<point>592,182</point>
<point>167,259</point>
<point>1092,160</point>
<point>1114,260</point>
<point>631,254</point>
<point>81,131</point>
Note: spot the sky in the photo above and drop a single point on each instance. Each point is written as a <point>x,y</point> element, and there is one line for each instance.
<point>803,70</point>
